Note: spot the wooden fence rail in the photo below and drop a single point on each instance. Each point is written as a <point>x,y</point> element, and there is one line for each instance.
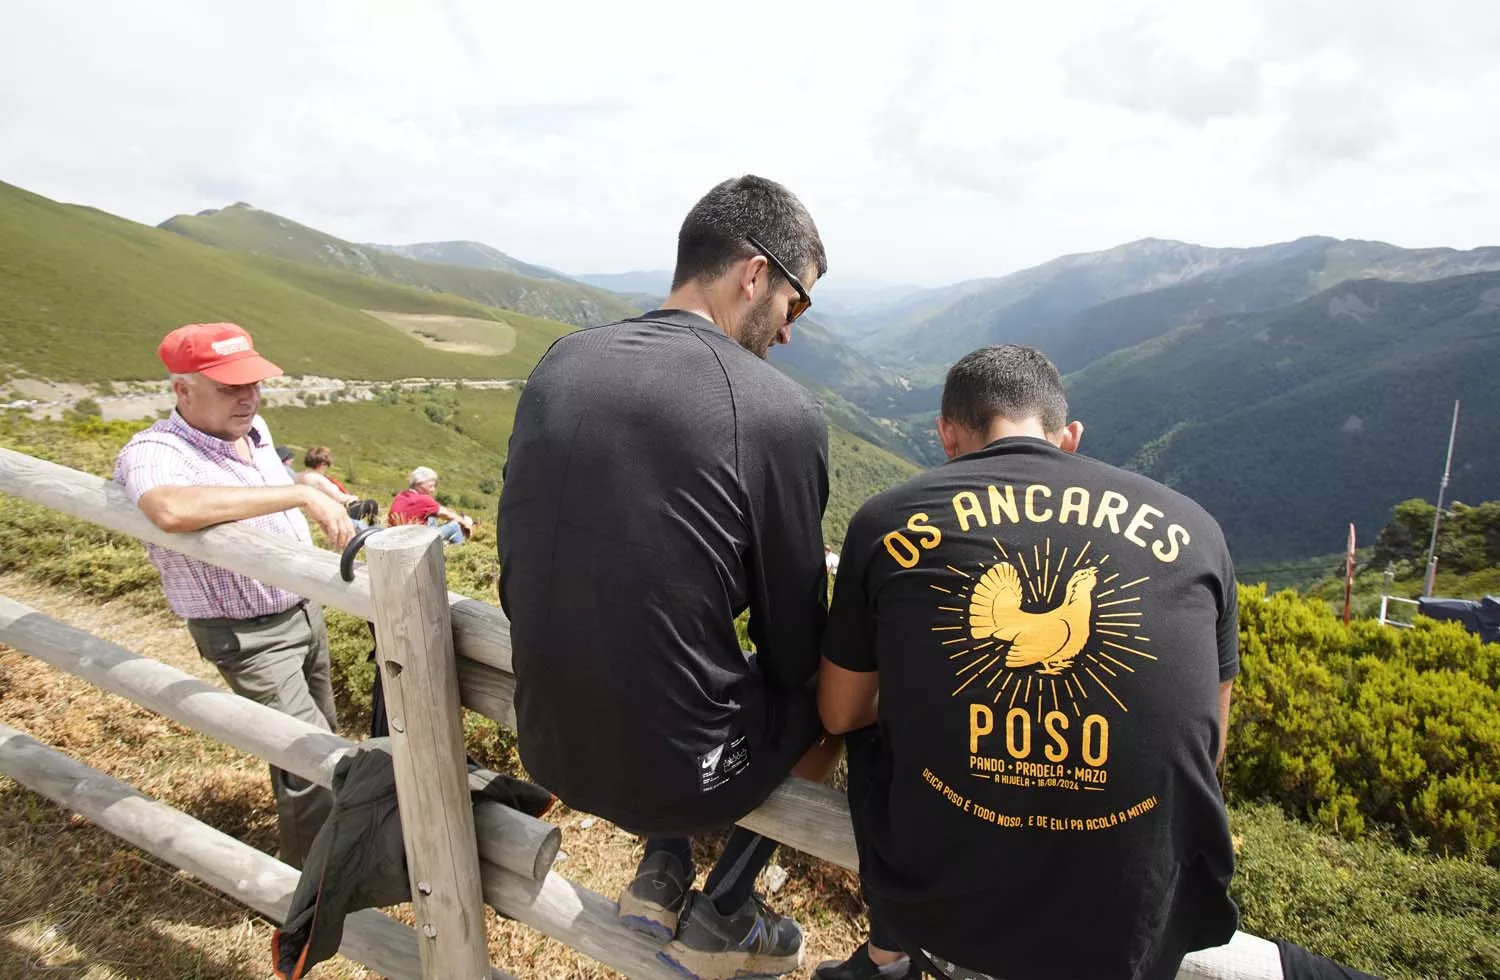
<point>513,841</point>
<point>516,852</point>
<point>238,870</point>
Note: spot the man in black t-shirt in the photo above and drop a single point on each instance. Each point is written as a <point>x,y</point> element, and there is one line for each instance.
<point>1037,651</point>
<point>663,478</point>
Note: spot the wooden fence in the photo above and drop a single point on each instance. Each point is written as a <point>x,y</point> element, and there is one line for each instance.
<point>437,650</point>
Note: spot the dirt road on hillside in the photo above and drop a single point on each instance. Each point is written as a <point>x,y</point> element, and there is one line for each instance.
<point>148,399</point>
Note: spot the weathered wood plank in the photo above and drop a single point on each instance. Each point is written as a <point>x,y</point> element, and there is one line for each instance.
<point>414,648</point>
<point>579,919</point>
<point>238,870</point>
<point>481,631</point>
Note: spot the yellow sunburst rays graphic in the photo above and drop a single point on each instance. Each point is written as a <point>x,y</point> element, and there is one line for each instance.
<point>1115,646</point>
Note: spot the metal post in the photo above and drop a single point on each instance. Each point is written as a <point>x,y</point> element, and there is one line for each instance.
<point>1437,517</point>
<point>1348,573</point>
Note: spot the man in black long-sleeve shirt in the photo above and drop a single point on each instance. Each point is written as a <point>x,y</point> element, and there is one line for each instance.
<point>662,478</point>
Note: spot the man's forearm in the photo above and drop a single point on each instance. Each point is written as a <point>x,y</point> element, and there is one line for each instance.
<point>1226,691</point>
<point>194,508</point>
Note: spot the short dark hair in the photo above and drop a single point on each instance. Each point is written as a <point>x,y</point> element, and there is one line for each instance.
<point>714,233</point>
<point>1006,380</point>
<point>317,456</point>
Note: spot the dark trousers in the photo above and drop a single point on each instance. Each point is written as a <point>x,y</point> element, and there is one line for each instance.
<point>282,662</point>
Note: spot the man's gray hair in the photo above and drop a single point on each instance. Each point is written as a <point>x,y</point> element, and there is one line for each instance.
<point>421,475</point>
<point>190,379</point>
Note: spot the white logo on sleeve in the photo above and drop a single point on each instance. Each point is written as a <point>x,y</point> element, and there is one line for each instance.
<point>710,761</point>
<point>722,763</point>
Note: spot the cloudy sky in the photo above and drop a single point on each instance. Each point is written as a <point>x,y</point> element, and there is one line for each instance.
<point>932,142</point>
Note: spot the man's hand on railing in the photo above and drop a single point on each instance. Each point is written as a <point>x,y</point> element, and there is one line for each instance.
<point>330,516</point>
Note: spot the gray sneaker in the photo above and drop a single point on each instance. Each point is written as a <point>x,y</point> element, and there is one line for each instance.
<point>753,942</point>
<point>654,899</point>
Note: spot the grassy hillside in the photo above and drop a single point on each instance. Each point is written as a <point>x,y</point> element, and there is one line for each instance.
<point>243,228</point>
<point>856,472</point>
<point>86,296</point>
<point>816,353</point>
<point>1287,425</point>
<point>464,435</point>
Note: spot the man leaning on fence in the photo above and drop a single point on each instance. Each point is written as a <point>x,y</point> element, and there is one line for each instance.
<point>211,462</point>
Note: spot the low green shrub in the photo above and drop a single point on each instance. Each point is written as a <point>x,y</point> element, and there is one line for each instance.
<point>1368,904</point>
<point>1364,726</point>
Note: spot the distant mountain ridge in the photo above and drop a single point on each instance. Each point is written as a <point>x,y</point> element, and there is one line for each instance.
<point>86,296</point>
<point>473,255</point>
<point>1038,305</point>
<point>657,282</point>
<point>244,228</point>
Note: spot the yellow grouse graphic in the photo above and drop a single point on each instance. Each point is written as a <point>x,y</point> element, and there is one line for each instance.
<point>1052,638</point>
<point>1044,631</point>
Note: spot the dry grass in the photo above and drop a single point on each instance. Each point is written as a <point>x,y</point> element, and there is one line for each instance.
<point>456,334</point>
<point>79,904</point>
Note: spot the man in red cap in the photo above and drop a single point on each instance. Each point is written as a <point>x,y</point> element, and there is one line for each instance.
<point>210,462</point>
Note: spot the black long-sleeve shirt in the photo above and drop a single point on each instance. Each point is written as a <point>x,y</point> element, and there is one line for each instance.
<point>661,479</point>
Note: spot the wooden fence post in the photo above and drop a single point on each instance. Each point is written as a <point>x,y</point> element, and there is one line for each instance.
<point>414,642</point>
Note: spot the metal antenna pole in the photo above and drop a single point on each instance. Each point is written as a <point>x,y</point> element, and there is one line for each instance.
<point>1437,518</point>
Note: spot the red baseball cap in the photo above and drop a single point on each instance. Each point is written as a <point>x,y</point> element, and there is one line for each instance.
<point>221,351</point>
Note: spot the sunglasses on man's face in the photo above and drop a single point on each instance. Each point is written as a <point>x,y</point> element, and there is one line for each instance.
<point>799,305</point>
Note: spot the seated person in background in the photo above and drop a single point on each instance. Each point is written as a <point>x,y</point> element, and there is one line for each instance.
<point>1038,649</point>
<point>417,505</point>
<point>317,461</point>
<point>285,454</point>
<point>364,513</point>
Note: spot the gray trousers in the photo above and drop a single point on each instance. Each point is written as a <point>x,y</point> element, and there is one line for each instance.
<point>280,661</point>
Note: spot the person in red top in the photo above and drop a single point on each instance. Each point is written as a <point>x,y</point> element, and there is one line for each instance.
<point>417,505</point>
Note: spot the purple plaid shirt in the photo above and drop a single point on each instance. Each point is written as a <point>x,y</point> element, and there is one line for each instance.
<point>174,454</point>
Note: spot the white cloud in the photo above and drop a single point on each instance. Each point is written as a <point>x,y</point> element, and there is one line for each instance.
<point>932,142</point>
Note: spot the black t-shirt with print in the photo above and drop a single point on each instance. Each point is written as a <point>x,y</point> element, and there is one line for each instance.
<point>1051,633</point>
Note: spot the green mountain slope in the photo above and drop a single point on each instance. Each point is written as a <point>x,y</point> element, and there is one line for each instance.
<point>1023,306</point>
<point>1288,424</point>
<point>243,228</point>
<point>1325,262</point>
<point>1080,307</point>
<point>472,255</point>
<point>817,354</point>
<point>86,296</point>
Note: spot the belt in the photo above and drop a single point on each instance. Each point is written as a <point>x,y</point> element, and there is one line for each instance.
<point>250,620</point>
